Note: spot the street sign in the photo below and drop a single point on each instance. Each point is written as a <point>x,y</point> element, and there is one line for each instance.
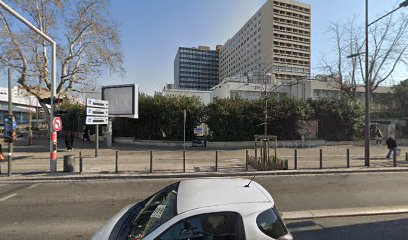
<point>96,103</point>
<point>101,112</point>
<point>96,120</point>
<point>97,112</point>
<point>198,131</point>
<point>57,123</point>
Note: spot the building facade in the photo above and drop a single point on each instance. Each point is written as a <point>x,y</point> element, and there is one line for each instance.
<point>23,105</point>
<point>196,68</point>
<point>205,97</point>
<point>237,87</point>
<point>275,40</point>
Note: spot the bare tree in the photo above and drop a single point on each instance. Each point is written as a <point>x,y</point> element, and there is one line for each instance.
<point>388,43</point>
<point>87,37</point>
<point>261,73</point>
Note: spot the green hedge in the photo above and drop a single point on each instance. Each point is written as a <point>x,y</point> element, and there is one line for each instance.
<point>161,118</point>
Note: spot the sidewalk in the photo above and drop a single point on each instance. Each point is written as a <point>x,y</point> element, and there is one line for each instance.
<point>135,160</point>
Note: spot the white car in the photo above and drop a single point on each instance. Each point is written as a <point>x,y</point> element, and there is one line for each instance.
<point>200,209</point>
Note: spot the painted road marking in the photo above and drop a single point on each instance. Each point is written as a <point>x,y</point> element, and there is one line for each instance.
<point>7,197</point>
<point>33,186</point>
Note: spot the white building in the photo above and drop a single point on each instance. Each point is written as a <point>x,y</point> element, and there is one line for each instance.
<point>238,87</point>
<point>277,36</point>
<point>205,97</point>
<point>22,105</point>
<point>308,89</point>
<point>314,89</point>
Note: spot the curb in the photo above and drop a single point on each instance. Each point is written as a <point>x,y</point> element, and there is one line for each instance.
<point>113,176</point>
<point>345,212</point>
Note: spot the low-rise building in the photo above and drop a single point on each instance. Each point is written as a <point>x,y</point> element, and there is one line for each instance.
<point>239,87</point>
<point>23,105</point>
<point>206,97</point>
<point>233,87</point>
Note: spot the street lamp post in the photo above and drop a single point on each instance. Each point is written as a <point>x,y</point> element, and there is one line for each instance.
<point>367,96</point>
<point>368,80</point>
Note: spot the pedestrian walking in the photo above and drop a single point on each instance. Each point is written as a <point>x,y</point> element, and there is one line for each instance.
<point>85,135</point>
<point>391,145</point>
<point>1,153</point>
<point>69,141</point>
<point>378,137</point>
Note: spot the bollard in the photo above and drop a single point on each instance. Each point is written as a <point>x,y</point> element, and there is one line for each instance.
<point>246,160</point>
<point>348,158</point>
<point>394,159</point>
<point>406,156</point>
<point>184,161</point>
<point>117,162</point>
<point>151,161</point>
<point>321,158</point>
<point>80,161</point>
<point>296,159</point>
<point>216,160</point>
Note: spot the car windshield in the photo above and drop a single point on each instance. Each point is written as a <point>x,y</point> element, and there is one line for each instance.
<point>270,223</point>
<point>158,210</point>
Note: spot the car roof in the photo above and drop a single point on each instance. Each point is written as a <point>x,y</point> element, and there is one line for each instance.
<point>200,193</point>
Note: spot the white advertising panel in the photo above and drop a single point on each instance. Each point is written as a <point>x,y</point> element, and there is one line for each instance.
<point>123,100</point>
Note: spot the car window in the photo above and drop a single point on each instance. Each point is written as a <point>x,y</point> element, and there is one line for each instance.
<point>270,223</point>
<point>159,209</point>
<point>215,226</point>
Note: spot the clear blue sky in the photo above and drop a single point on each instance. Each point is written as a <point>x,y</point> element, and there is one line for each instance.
<point>152,31</point>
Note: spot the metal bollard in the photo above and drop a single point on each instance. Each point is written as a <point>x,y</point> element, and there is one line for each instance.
<point>216,160</point>
<point>151,161</point>
<point>246,160</point>
<point>394,159</point>
<point>80,161</point>
<point>184,161</point>
<point>348,158</point>
<point>406,156</point>
<point>296,159</point>
<point>321,158</point>
<point>117,162</point>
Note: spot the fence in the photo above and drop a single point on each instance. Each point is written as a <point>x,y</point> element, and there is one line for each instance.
<point>197,160</point>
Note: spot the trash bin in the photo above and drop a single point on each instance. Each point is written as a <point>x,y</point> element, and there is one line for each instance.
<point>69,163</point>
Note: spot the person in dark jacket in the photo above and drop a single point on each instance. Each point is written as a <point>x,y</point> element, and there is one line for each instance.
<point>69,141</point>
<point>392,146</point>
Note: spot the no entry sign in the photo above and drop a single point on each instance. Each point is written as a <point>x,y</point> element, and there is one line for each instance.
<point>57,123</point>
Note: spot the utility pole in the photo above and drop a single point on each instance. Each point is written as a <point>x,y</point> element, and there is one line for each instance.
<point>184,135</point>
<point>11,119</point>
<point>30,117</point>
<point>367,96</point>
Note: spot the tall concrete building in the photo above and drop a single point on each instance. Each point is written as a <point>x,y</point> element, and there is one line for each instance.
<point>275,39</point>
<point>196,68</point>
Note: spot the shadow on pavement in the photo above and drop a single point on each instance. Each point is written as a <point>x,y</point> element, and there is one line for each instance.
<point>393,229</point>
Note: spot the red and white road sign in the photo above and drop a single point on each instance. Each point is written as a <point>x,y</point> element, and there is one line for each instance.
<point>57,123</point>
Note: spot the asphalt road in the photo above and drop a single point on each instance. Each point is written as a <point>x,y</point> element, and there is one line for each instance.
<point>74,210</point>
<point>393,227</point>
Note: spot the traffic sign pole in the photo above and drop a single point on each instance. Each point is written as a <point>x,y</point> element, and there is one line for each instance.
<point>97,141</point>
<point>10,108</point>
<point>96,114</point>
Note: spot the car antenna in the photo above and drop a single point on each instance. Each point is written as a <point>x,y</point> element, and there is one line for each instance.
<point>249,182</point>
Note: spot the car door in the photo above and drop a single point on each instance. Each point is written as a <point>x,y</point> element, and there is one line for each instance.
<point>209,226</point>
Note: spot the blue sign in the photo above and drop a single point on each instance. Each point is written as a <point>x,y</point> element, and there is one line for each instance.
<point>10,125</point>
